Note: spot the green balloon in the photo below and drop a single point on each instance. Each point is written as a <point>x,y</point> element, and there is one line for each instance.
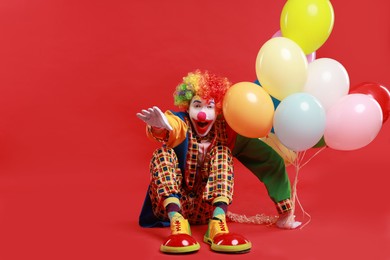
<point>321,143</point>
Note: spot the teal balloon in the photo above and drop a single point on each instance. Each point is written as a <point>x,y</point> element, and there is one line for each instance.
<point>275,101</point>
<point>299,121</point>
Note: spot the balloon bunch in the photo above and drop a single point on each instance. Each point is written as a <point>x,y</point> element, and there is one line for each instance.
<point>305,102</point>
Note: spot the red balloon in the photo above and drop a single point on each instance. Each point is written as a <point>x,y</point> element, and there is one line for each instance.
<point>379,92</point>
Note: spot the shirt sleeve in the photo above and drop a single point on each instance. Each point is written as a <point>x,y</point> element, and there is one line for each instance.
<point>169,138</point>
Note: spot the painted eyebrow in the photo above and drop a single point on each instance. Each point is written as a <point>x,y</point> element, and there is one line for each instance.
<point>198,101</point>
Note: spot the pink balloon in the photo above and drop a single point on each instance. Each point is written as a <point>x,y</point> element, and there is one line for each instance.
<point>352,122</point>
<point>310,57</point>
<point>277,34</point>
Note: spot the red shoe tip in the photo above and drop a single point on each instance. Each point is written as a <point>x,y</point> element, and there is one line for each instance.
<point>230,239</point>
<point>180,240</point>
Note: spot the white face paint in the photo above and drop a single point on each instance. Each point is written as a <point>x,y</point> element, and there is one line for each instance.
<point>202,114</point>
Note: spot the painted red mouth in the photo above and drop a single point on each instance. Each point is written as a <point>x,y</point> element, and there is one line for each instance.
<point>202,124</point>
<point>202,127</point>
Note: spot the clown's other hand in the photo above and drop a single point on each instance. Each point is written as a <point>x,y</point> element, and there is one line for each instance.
<point>155,118</point>
<point>287,221</point>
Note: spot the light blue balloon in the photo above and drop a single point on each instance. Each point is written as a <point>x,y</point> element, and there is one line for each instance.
<point>299,121</point>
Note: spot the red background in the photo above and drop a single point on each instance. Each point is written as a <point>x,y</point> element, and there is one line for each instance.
<point>74,157</point>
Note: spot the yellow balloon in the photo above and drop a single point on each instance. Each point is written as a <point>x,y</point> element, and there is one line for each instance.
<point>289,156</point>
<point>248,109</point>
<point>281,67</point>
<point>307,22</point>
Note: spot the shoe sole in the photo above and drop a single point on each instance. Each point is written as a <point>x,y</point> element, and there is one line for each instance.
<point>239,249</point>
<point>180,250</point>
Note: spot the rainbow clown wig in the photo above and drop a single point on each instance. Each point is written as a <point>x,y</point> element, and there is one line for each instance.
<point>203,84</point>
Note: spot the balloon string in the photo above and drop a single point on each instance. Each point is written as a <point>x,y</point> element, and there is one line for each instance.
<point>264,219</point>
<point>303,213</point>
<point>278,146</point>
<point>314,156</point>
<point>298,164</point>
<point>300,157</point>
<point>295,198</point>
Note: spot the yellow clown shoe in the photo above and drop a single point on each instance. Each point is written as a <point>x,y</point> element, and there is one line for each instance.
<point>180,241</point>
<point>221,240</point>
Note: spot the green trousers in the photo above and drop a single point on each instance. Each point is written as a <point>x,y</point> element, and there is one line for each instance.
<point>264,162</point>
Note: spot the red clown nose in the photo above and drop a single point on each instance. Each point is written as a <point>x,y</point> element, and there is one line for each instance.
<point>202,116</point>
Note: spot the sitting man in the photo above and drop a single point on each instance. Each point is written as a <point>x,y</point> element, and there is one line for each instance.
<point>192,173</point>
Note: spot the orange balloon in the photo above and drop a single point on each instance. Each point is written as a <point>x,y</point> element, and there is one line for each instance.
<point>248,109</point>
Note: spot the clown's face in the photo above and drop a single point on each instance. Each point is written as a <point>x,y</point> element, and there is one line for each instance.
<point>202,114</point>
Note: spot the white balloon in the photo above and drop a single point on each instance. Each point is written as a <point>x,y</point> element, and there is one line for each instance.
<point>327,80</point>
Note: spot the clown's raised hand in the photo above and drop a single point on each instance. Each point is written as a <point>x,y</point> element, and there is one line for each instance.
<point>155,118</point>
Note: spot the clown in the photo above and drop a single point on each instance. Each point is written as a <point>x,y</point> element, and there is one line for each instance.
<point>192,180</point>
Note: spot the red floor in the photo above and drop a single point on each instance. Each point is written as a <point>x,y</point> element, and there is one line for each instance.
<point>74,158</point>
